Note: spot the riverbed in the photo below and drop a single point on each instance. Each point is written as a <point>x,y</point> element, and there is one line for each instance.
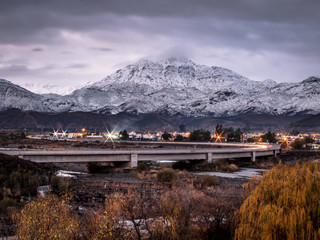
<point>241,173</point>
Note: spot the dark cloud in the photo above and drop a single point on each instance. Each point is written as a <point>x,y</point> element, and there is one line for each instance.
<point>141,28</point>
<point>279,25</point>
<point>271,10</point>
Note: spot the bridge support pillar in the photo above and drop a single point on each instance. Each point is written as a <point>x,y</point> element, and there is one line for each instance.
<point>253,156</point>
<point>209,157</point>
<point>274,153</point>
<point>134,160</point>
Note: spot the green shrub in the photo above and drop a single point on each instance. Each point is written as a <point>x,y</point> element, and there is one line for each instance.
<point>21,183</point>
<point>232,168</point>
<point>208,181</point>
<point>224,166</point>
<point>179,138</point>
<point>15,180</point>
<point>298,144</point>
<point>5,203</point>
<point>59,184</point>
<point>221,162</point>
<point>166,175</point>
<point>142,166</point>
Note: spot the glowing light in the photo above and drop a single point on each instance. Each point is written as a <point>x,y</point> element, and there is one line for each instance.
<point>109,136</point>
<point>55,133</point>
<point>83,129</point>
<point>285,140</point>
<point>218,138</point>
<point>64,133</point>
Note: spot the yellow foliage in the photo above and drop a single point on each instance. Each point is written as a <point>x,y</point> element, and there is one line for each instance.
<point>48,218</point>
<point>103,225</point>
<point>51,218</point>
<point>285,204</point>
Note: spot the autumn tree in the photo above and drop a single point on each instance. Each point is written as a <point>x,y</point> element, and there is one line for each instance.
<point>108,223</point>
<point>214,217</point>
<point>137,208</point>
<point>177,209</point>
<point>48,218</point>
<point>52,218</point>
<point>283,205</point>
<point>186,213</point>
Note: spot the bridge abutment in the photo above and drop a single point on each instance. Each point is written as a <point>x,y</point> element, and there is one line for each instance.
<point>134,160</point>
<point>209,157</point>
<point>253,156</point>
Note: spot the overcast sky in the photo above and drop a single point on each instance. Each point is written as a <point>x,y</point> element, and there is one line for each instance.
<point>76,41</point>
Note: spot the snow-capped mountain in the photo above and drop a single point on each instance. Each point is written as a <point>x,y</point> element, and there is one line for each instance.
<point>14,96</point>
<point>50,89</point>
<point>177,85</point>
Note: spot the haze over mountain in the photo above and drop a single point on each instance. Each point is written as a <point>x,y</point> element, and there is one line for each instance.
<point>176,85</point>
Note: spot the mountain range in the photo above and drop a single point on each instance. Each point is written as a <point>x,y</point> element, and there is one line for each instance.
<point>174,87</point>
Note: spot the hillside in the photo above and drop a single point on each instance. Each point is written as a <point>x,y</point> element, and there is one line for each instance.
<point>18,119</point>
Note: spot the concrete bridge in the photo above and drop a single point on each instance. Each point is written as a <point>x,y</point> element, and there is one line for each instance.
<point>130,158</point>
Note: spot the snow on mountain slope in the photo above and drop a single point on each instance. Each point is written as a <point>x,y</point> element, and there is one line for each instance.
<point>14,96</point>
<point>178,85</point>
<point>50,89</point>
<point>182,86</point>
<point>177,73</point>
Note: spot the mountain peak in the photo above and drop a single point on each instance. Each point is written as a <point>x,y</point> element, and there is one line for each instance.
<point>311,79</point>
<point>269,83</point>
<point>144,61</point>
<point>178,61</point>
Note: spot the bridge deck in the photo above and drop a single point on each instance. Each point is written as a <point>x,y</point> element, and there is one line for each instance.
<point>132,156</point>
